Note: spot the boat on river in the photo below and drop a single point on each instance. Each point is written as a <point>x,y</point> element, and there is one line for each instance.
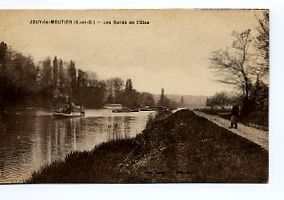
<point>69,114</point>
<point>69,111</point>
<point>147,108</point>
<point>125,110</point>
<point>122,110</point>
<point>113,106</point>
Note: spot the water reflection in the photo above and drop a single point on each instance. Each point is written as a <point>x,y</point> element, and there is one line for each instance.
<point>30,141</point>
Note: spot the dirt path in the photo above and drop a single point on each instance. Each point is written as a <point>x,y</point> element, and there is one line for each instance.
<point>255,135</point>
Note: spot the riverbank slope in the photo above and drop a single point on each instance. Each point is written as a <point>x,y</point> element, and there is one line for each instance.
<point>180,147</point>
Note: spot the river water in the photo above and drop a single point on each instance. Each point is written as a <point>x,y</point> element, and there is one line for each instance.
<point>31,139</point>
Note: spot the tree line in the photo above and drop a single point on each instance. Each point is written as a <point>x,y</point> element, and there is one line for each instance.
<point>52,82</point>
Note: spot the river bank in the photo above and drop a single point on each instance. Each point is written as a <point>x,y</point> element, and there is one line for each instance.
<point>256,119</point>
<point>255,135</point>
<point>180,147</point>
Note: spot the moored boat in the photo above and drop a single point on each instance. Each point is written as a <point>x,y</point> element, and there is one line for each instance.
<point>69,111</point>
<point>69,114</point>
<point>113,106</point>
<point>120,110</point>
<point>147,108</point>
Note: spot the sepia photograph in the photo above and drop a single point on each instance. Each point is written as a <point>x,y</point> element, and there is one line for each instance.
<point>134,96</point>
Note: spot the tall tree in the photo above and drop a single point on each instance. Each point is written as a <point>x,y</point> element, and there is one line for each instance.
<point>61,73</point>
<point>181,102</point>
<point>55,71</point>
<point>73,79</point>
<point>162,97</point>
<point>72,74</point>
<point>82,80</point>
<point>234,63</point>
<point>3,58</point>
<point>117,89</point>
<point>262,42</point>
<point>109,90</point>
<point>22,72</point>
<point>3,54</point>
<point>128,85</point>
<point>46,72</point>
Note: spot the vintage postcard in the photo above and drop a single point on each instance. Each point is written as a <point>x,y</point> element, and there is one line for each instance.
<point>134,96</point>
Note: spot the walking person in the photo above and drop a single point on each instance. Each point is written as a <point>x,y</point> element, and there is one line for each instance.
<point>234,117</point>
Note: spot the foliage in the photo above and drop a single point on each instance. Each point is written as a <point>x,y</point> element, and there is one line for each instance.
<point>262,42</point>
<point>165,101</point>
<point>53,82</point>
<point>114,90</point>
<point>254,113</point>
<point>146,99</point>
<point>220,99</point>
<point>234,63</point>
<point>245,69</point>
<point>17,76</point>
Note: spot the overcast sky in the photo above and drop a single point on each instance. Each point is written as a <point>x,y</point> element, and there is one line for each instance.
<point>171,52</point>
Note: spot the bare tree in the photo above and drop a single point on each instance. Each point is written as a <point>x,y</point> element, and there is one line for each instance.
<point>262,42</point>
<point>234,62</point>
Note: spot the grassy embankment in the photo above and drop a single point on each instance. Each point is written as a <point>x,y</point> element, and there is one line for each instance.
<point>181,147</point>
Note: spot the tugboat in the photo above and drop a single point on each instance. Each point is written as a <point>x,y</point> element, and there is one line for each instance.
<point>69,111</point>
